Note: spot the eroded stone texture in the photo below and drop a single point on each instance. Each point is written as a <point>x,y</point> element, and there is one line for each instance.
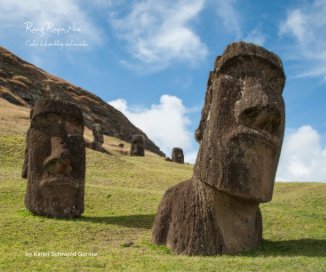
<point>177,155</point>
<point>137,145</point>
<point>98,137</point>
<point>55,160</point>
<point>240,134</point>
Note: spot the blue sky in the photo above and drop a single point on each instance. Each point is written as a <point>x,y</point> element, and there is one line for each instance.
<point>150,59</point>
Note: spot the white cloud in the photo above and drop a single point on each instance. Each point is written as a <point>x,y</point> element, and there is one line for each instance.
<point>255,36</point>
<point>303,157</point>
<point>165,123</point>
<point>307,26</point>
<point>229,15</point>
<point>234,22</point>
<point>318,71</point>
<point>60,13</point>
<point>295,24</point>
<point>159,32</point>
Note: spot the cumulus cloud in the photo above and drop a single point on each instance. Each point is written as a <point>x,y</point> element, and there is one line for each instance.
<point>306,25</point>
<point>303,157</point>
<point>165,123</point>
<point>159,32</point>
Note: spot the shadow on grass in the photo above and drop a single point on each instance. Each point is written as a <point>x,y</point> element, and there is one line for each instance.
<point>144,221</point>
<point>300,247</point>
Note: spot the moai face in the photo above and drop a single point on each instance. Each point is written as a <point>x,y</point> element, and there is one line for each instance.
<point>56,160</point>
<point>244,125</point>
<point>137,145</point>
<point>177,155</point>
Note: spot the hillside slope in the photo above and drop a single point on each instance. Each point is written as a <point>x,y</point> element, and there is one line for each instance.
<point>121,199</point>
<point>22,83</point>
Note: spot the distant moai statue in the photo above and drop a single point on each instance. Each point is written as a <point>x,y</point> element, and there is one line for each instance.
<point>55,160</point>
<point>240,134</point>
<point>98,138</point>
<point>137,145</point>
<point>177,155</point>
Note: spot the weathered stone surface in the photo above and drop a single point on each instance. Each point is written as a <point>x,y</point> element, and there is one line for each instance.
<point>177,155</point>
<point>137,145</point>
<point>55,160</point>
<point>240,134</point>
<point>22,83</point>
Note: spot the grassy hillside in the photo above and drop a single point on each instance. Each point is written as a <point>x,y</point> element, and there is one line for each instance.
<point>122,195</point>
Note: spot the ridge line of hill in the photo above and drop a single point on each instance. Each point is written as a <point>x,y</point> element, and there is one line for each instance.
<point>22,84</point>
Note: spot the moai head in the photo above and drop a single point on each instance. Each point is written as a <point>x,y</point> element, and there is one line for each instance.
<point>137,145</point>
<point>56,160</point>
<point>177,155</point>
<point>242,124</point>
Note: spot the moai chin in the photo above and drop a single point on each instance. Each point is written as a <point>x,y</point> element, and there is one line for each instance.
<point>240,134</point>
<point>55,160</point>
<point>177,155</point>
<point>98,137</point>
<point>137,145</point>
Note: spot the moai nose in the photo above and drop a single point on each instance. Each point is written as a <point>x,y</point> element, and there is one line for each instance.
<point>266,118</point>
<point>257,109</point>
<point>59,161</point>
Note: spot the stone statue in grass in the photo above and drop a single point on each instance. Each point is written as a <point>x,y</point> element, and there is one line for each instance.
<point>177,155</point>
<point>55,162</point>
<point>240,134</point>
<point>137,145</point>
<point>98,138</point>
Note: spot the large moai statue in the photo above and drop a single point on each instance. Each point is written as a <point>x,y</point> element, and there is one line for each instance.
<point>177,155</point>
<point>98,138</point>
<point>137,145</point>
<point>55,160</point>
<point>240,134</point>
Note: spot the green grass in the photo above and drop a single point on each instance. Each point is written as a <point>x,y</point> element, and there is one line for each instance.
<point>122,195</point>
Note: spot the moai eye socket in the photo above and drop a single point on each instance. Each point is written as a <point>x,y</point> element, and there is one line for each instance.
<point>73,128</point>
<point>46,120</point>
<point>266,119</point>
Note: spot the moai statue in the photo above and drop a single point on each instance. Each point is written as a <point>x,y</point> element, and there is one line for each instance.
<point>177,155</point>
<point>98,137</point>
<point>137,145</point>
<point>240,133</point>
<point>55,160</point>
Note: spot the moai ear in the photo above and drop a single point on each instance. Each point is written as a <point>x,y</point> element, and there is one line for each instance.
<point>205,111</point>
<point>25,163</point>
<point>24,170</point>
